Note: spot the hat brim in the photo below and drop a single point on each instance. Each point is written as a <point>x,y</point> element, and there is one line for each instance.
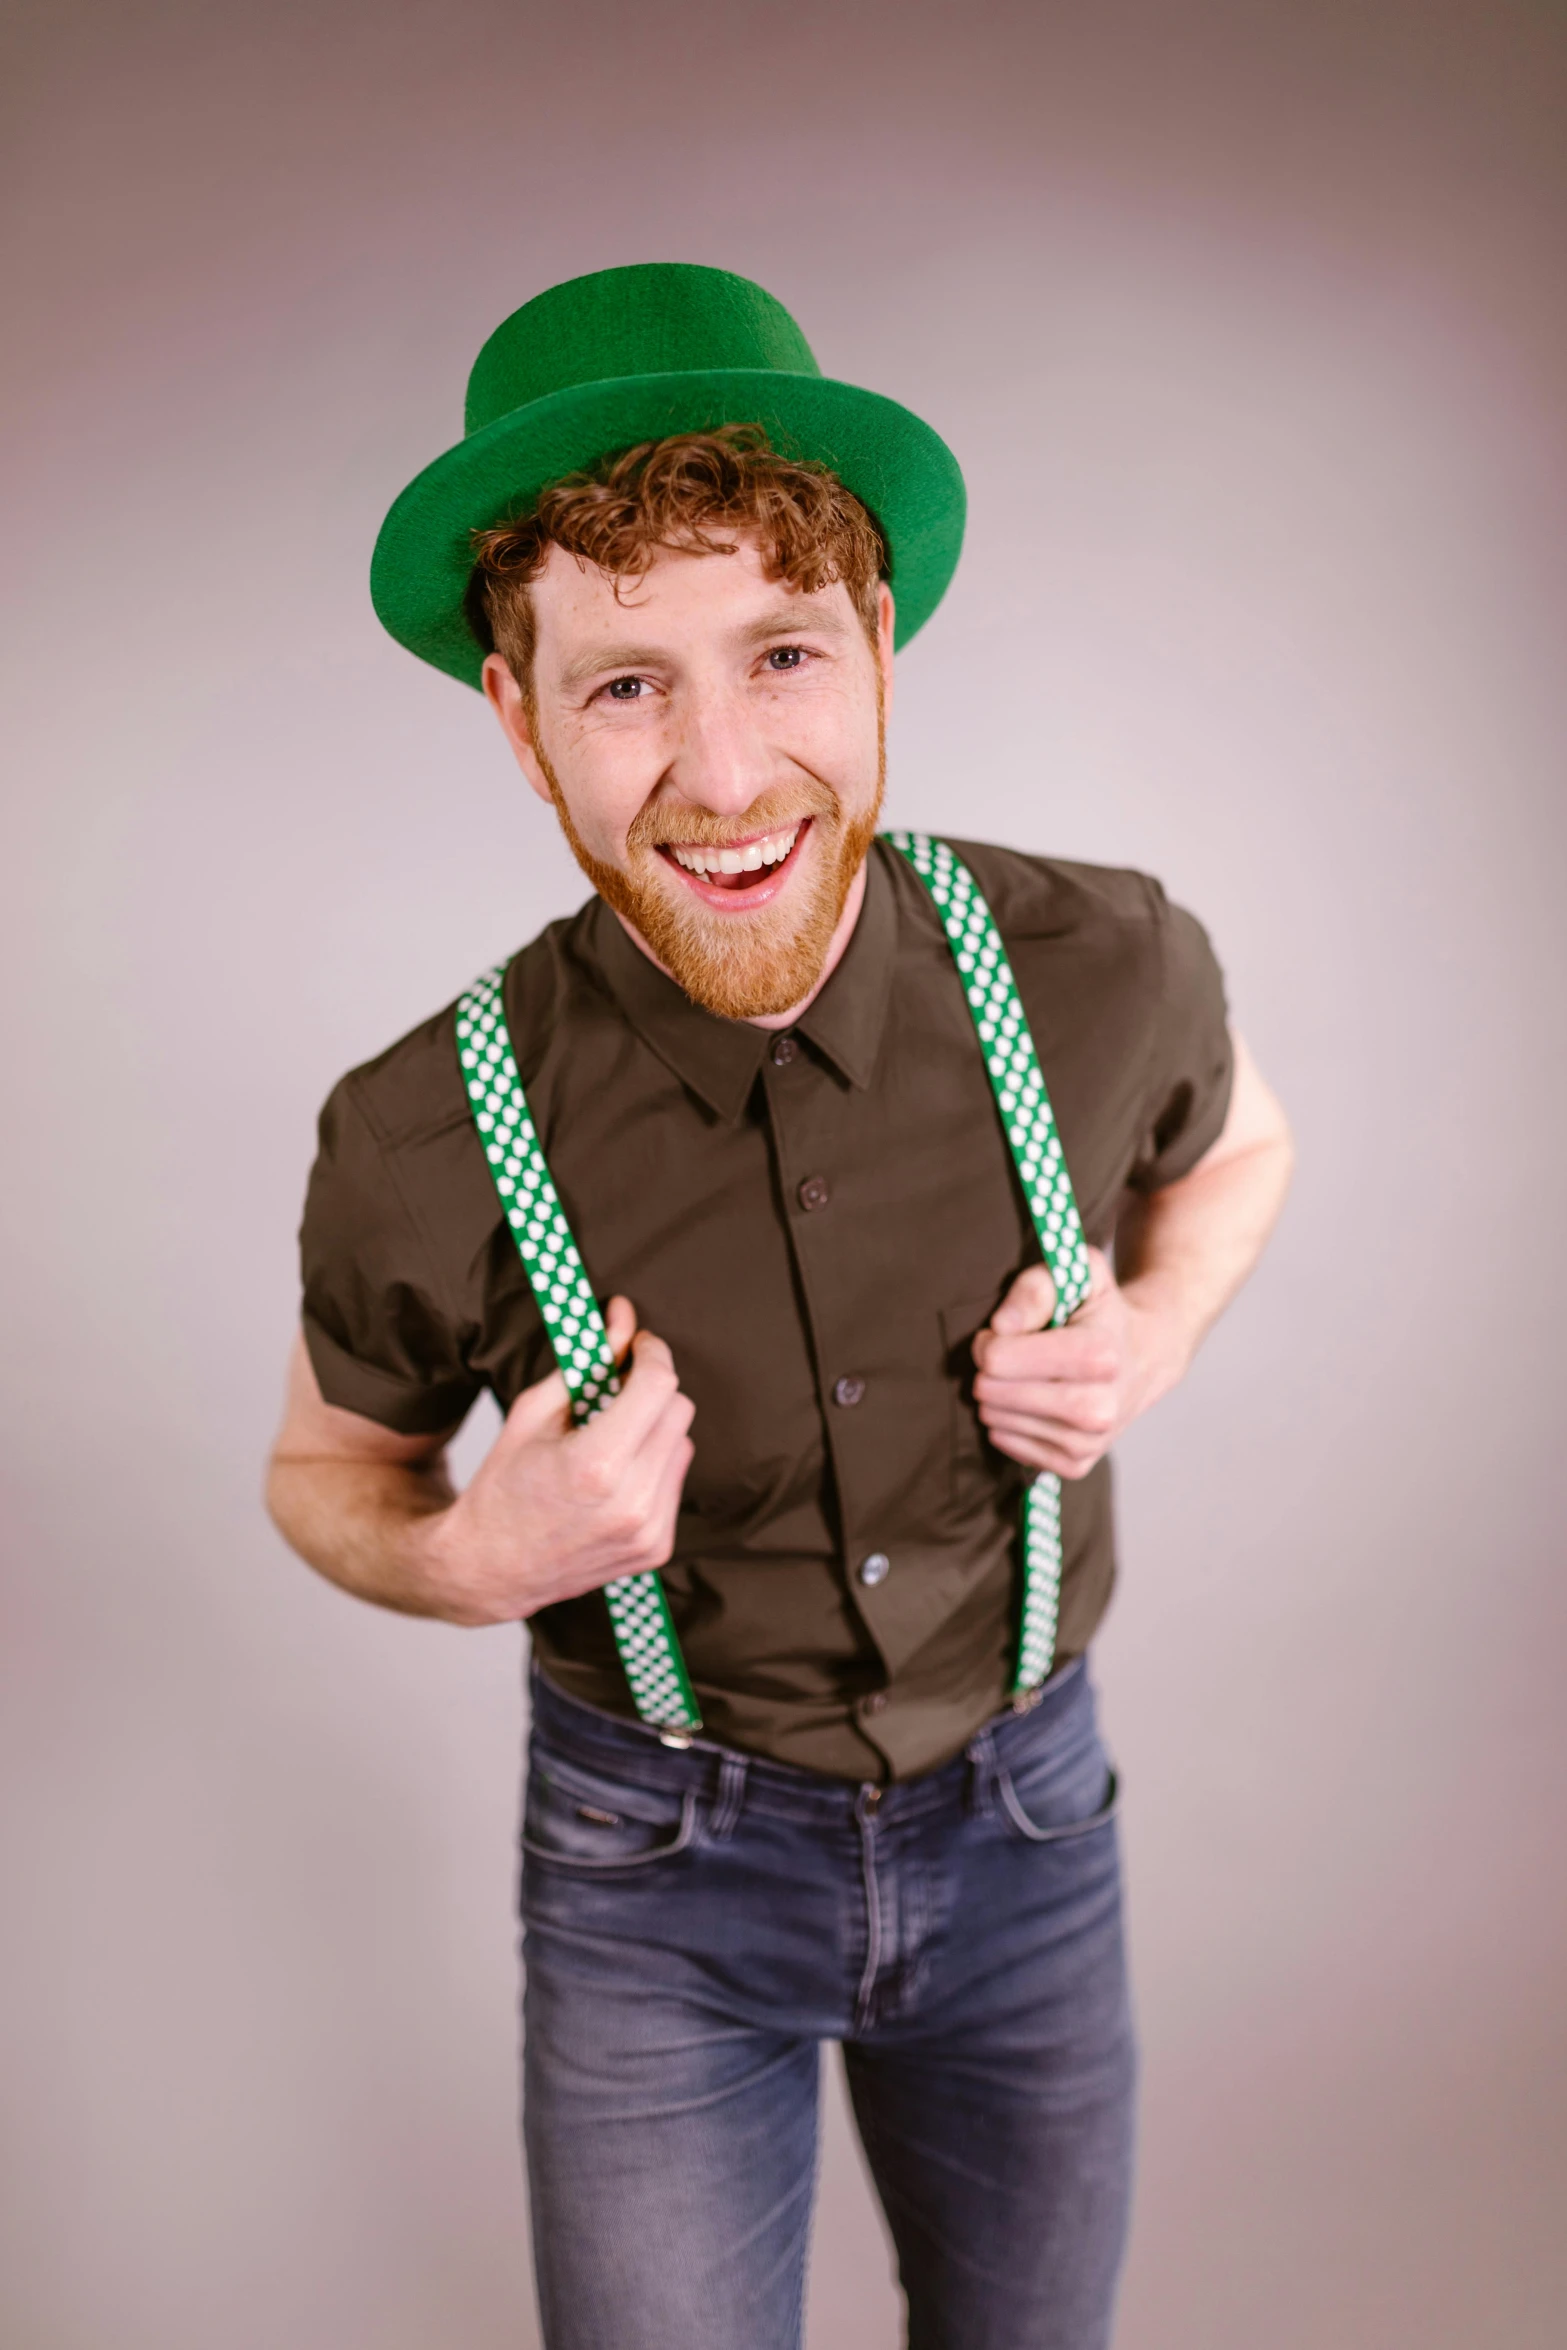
<point>897,467</point>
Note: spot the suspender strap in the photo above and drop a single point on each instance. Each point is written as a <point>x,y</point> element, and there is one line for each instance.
<point>638,1609</point>
<point>1029,1125</point>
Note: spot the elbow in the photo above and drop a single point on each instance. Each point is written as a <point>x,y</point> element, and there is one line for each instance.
<point>279,1498</point>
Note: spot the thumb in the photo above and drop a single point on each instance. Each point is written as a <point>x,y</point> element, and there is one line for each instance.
<point>1028,1304</point>
<point>545,1408</point>
<point>620,1320</point>
<point>541,1410</point>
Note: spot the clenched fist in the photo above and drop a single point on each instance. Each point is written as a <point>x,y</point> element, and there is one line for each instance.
<point>1058,1399</point>
<point>558,1509</point>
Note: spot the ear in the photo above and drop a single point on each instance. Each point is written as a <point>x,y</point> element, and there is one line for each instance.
<point>885,620</point>
<point>506,699</point>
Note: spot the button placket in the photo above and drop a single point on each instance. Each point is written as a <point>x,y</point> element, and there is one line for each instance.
<point>800,1116</point>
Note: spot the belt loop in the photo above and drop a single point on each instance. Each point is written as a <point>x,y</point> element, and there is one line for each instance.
<point>979,1794</point>
<point>732,1770</point>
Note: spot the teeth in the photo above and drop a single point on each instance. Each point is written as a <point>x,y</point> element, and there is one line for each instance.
<point>771,850</point>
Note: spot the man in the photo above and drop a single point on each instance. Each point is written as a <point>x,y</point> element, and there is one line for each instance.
<point>834,1774</point>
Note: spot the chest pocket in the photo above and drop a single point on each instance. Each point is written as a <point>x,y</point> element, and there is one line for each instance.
<point>972,1461</point>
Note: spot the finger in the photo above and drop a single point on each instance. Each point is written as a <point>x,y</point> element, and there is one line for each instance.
<point>673,1423</point>
<point>1077,1351</point>
<point>1028,1304</point>
<point>1036,1452</point>
<point>646,1501</point>
<point>619,1429</point>
<point>1079,1443</point>
<point>620,1320</point>
<point>1091,1409</point>
<point>1101,1273</point>
<point>665,1509</point>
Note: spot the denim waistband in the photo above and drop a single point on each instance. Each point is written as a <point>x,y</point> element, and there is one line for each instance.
<point>721,1774</point>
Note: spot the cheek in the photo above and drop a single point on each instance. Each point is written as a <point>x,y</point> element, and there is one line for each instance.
<point>606,775</point>
<point>837,738</point>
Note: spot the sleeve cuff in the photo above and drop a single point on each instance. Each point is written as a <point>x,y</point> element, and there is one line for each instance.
<point>407,1406</point>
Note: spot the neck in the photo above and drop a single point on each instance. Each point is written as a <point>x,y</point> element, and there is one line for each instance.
<point>830,961</point>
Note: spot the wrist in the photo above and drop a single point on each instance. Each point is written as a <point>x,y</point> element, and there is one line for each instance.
<point>1169,1330</point>
<point>440,1560</point>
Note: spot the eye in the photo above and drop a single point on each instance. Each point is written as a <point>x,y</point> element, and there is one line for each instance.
<point>624,689</point>
<point>783,658</point>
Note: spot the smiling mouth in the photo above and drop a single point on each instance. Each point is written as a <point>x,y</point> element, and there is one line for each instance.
<point>746,868</point>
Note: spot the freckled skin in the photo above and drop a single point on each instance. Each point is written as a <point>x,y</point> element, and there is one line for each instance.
<point>709,703</point>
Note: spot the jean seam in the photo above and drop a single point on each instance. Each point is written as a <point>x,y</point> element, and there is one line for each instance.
<point>865,1996</point>
<point>1012,1805</point>
<point>727,1803</point>
<point>583,1866</point>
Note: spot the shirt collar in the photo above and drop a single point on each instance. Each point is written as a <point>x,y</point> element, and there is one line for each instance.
<point>719,1059</point>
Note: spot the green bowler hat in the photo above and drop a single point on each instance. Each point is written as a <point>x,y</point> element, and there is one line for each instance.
<point>600,363</point>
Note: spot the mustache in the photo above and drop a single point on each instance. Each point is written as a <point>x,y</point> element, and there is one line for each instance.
<point>663,822</point>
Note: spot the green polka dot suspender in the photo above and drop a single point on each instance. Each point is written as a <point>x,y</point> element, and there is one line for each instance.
<point>1029,1125</point>
<point>638,1610</point>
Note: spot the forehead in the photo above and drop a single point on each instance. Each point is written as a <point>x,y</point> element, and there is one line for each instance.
<point>680,596</point>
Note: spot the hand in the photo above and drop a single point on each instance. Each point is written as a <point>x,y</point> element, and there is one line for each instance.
<point>556,1509</point>
<point>1058,1399</point>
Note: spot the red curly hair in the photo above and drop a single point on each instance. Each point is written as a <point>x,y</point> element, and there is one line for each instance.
<point>693,491</point>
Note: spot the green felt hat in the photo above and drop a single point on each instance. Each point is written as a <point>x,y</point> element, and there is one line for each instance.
<point>626,355</point>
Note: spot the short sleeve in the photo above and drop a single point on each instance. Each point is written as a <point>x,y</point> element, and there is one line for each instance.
<point>378,1336</point>
<point>1192,1062</point>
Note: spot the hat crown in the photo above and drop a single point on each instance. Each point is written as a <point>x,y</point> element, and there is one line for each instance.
<point>653,318</point>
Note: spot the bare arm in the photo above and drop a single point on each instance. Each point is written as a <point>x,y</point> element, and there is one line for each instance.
<point>1057,1399</point>
<point>553,1511</point>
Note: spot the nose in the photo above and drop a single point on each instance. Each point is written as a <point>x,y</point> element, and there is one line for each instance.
<point>722,761</point>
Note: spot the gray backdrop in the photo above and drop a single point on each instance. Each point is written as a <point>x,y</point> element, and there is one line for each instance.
<point>1247,323</point>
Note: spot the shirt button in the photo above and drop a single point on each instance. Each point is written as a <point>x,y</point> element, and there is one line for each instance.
<point>876,1703</point>
<point>784,1051</point>
<point>875,1569</point>
<point>849,1390</point>
<point>814,1192</point>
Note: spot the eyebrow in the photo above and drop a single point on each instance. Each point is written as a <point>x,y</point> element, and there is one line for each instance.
<point>782,621</point>
<point>790,620</point>
<point>589,665</point>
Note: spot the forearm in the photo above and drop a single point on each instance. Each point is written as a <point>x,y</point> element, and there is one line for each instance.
<point>371,1527</point>
<point>1182,1254</point>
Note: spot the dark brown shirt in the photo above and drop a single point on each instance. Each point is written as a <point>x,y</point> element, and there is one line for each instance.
<point>817,1223</point>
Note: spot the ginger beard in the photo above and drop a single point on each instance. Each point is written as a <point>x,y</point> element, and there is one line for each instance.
<point>741,966</point>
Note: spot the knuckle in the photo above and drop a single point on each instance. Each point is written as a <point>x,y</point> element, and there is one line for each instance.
<point>595,1479</point>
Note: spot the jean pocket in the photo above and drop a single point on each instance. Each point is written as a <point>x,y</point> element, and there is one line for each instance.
<point>1047,1798</point>
<point>577,1819</point>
